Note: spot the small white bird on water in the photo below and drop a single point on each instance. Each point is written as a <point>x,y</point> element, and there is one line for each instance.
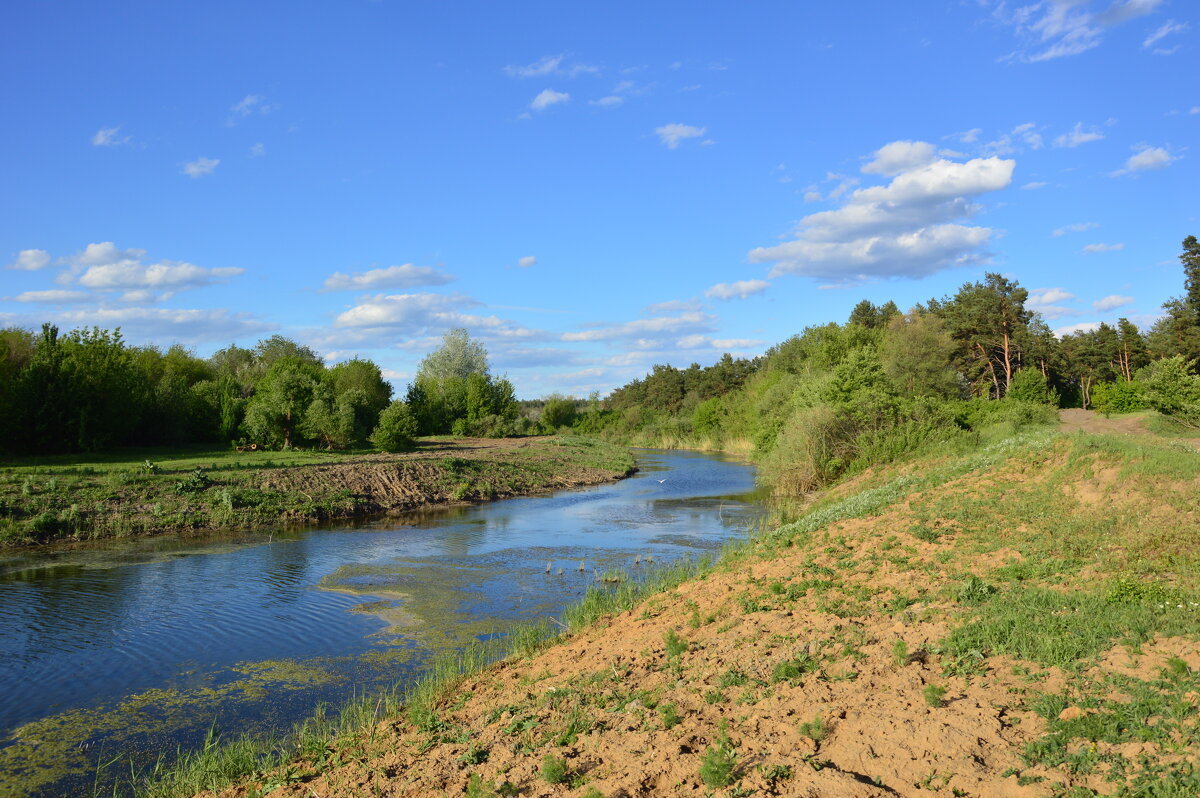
<point>661,481</point>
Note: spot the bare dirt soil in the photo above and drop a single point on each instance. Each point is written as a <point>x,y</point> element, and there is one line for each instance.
<point>1074,420</point>
<point>819,667</point>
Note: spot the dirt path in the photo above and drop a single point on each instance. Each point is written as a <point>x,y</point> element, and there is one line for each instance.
<point>1076,420</point>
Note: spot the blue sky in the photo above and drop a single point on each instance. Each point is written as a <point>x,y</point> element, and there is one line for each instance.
<point>588,188</point>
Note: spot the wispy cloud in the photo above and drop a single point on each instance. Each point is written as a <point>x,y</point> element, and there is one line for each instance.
<point>1051,29</point>
<point>527,261</point>
<point>1161,32</point>
<point>200,167</point>
<point>737,290</point>
<point>250,105</point>
<point>648,331</point>
<point>403,276</point>
<point>1094,249</point>
<point>1078,227</point>
<point>109,137</point>
<point>1145,158</point>
<point>550,65</point>
<point>674,133</point>
<point>547,98</point>
<point>1046,301</point>
<point>1083,326</point>
<point>1077,136</point>
<point>258,150</point>
<point>1035,185</point>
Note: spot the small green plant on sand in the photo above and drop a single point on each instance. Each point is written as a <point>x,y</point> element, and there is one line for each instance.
<point>670,716</point>
<point>718,767</point>
<point>592,792</point>
<point>676,645</point>
<point>814,729</point>
<point>934,695</point>
<point>900,652</point>
<point>555,770</point>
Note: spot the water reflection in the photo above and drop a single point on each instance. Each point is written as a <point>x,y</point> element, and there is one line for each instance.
<point>89,626</point>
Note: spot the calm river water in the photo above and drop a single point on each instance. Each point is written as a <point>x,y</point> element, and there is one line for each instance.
<point>137,647</point>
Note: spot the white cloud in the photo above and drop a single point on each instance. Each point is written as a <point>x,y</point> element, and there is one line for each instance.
<point>672,134</point>
<point>1035,185</point>
<point>970,136</point>
<point>637,330</point>
<point>1092,249</point>
<point>30,260</point>
<point>527,261</point>
<point>737,290</point>
<point>1085,326</point>
<point>1078,227</point>
<point>104,267</point>
<point>900,156</point>
<point>719,344</point>
<point>1078,136</point>
<point>107,137</point>
<point>415,315</point>
<point>405,276</point>
<point>1044,301</point>
<point>200,167</point>
<point>549,65</point>
<point>674,306</point>
<point>251,104</point>
<point>1145,158</point>
<point>611,101</point>
<point>735,343</point>
<point>258,150</point>
<point>547,98</point>
<point>55,296</point>
<point>1112,302</point>
<point>1050,29</point>
<point>1164,30</point>
<point>903,228</point>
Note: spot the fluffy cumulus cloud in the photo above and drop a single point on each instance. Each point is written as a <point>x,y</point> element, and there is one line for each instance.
<point>169,324</point>
<point>1092,249</point>
<point>30,260</point>
<point>1144,159</point>
<point>1077,135</point>
<point>405,276</point>
<point>900,156</point>
<point>908,227</point>
<point>675,133</point>
<point>737,290</point>
<point>1051,29</point>
<point>1046,301</point>
<point>1112,302</point>
<point>200,167</point>
<point>527,261</point>
<point>424,314</point>
<point>1084,326</point>
<point>108,270</point>
<point>646,333</point>
<point>547,98</point>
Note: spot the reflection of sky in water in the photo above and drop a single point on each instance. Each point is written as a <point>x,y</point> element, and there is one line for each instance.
<point>91,625</point>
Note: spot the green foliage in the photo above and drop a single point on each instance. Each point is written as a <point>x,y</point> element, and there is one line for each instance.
<point>1119,397</point>
<point>814,729</point>
<point>396,430</point>
<point>1030,385</point>
<point>554,770</point>
<point>676,646</point>
<point>559,411</point>
<point>934,695</point>
<point>718,766</point>
<point>1172,389</point>
<point>900,652</point>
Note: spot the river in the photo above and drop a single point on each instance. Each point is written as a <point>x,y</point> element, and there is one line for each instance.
<point>137,647</point>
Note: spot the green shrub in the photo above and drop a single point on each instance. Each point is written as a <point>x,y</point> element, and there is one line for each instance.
<point>1172,389</point>
<point>718,767</point>
<point>1030,385</point>
<point>554,770</point>
<point>1119,397</point>
<point>396,430</point>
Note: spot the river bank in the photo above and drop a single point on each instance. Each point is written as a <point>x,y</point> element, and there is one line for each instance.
<point>1020,620</point>
<point>67,500</point>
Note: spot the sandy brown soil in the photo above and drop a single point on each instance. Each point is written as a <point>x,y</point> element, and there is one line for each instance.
<point>1074,420</point>
<point>811,634</point>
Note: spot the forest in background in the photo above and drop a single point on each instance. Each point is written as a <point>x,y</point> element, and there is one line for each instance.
<point>829,400</point>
